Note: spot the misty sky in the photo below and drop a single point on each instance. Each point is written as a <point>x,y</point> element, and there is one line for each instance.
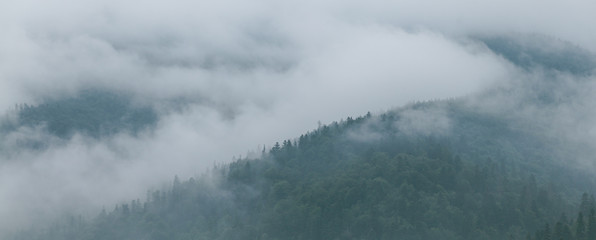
<point>252,73</point>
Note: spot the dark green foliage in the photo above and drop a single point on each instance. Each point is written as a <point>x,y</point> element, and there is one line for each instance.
<point>488,176</point>
<point>94,113</point>
<point>531,51</point>
<point>562,231</point>
<point>330,184</point>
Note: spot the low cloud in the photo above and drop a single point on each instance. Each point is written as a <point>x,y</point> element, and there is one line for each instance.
<point>228,77</point>
<point>424,122</point>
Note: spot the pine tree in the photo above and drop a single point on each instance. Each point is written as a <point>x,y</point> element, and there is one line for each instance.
<point>591,233</point>
<point>587,204</point>
<point>547,233</point>
<point>562,231</point>
<point>580,228</point>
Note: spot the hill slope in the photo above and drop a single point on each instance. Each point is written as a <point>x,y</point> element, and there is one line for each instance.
<point>496,165</point>
<point>363,178</point>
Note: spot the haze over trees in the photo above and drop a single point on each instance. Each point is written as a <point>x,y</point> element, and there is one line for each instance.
<point>330,184</point>
<point>297,120</point>
<point>440,169</point>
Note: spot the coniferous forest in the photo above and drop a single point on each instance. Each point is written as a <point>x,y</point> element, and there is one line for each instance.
<point>336,183</point>
<point>297,120</point>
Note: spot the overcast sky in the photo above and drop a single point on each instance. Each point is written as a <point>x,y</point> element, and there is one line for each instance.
<point>254,72</point>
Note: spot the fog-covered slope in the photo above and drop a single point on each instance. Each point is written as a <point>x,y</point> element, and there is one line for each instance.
<point>497,164</point>
<point>531,51</point>
<point>94,113</point>
<point>428,170</point>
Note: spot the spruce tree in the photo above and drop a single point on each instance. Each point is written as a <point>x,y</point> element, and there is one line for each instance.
<point>580,228</point>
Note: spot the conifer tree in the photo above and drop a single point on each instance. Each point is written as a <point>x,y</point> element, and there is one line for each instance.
<point>580,228</point>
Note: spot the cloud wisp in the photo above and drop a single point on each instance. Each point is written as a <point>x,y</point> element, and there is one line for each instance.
<point>247,74</point>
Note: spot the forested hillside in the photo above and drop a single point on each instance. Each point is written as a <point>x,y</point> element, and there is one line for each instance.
<point>581,227</point>
<point>363,178</point>
<point>92,112</point>
<point>511,162</point>
<point>297,120</point>
<point>533,51</point>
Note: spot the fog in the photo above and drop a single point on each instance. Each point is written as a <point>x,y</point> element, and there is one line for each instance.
<point>250,74</point>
